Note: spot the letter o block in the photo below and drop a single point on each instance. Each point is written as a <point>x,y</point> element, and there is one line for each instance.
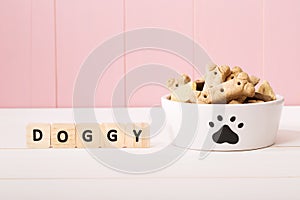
<point>88,135</point>
<point>38,135</point>
<point>63,136</point>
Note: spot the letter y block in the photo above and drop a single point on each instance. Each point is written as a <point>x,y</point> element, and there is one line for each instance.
<point>137,135</point>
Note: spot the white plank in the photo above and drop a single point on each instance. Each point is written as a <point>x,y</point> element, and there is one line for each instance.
<point>77,163</point>
<point>290,118</point>
<point>288,138</point>
<point>146,189</point>
<point>289,128</point>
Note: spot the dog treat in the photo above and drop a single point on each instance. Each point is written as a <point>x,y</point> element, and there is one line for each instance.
<point>234,73</point>
<point>241,99</point>
<point>262,97</point>
<point>229,90</point>
<point>236,70</point>
<point>266,89</point>
<point>173,83</point>
<point>215,75</point>
<point>198,84</point>
<point>194,98</point>
<point>234,102</point>
<point>183,93</point>
<point>254,80</point>
<point>254,101</point>
<point>182,89</point>
<point>220,85</point>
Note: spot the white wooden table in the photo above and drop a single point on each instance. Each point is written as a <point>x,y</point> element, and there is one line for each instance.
<point>271,173</point>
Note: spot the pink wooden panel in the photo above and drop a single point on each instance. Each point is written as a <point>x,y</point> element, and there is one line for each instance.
<point>146,92</point>
<point>231,32</point>
<point>15,53</point>
<point>176,15</point>
<point>81,26</point>
<point>150,94</point>
<point>282,47</point>
<point>43,54</point>
<point>110,88</point>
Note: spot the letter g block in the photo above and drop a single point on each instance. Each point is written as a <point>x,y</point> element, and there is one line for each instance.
<point>113,134</point>
<point>88,135</point>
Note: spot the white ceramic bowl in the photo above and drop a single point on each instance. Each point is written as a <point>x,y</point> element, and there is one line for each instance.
<point>222,127</point>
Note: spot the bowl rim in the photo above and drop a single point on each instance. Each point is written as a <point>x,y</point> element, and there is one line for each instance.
<point>279,100</point>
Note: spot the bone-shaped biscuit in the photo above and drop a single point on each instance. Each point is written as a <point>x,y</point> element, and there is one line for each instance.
<point>194,97</point>
<point>184,94</point>
<point>181,89</point>
<point>236,70</point>
<point>229,90</point>
<point>266,89</point>
<point>174,83</point>
<point>254,80</point>
<point>215,75</point>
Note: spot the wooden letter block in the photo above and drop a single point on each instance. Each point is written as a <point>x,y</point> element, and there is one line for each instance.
<point>38,135</point>
<point>137,135</point>
<point>113,135</point>
<point>88,135</point>
<point>129,136</point>
<point>63,136</point>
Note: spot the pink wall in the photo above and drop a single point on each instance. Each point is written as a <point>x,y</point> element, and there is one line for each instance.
<point>44,42</point>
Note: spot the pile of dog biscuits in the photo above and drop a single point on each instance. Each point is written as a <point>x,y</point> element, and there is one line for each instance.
<point>220,85</point>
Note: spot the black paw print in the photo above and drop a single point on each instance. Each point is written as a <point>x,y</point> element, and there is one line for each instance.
<point>225,133</point>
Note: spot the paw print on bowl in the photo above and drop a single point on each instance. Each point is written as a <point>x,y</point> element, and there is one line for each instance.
<point>224,133</point>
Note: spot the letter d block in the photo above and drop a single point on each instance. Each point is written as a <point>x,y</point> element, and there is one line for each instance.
<point>38,135</point>
<point>88,135</point>
<point>63,136</point>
